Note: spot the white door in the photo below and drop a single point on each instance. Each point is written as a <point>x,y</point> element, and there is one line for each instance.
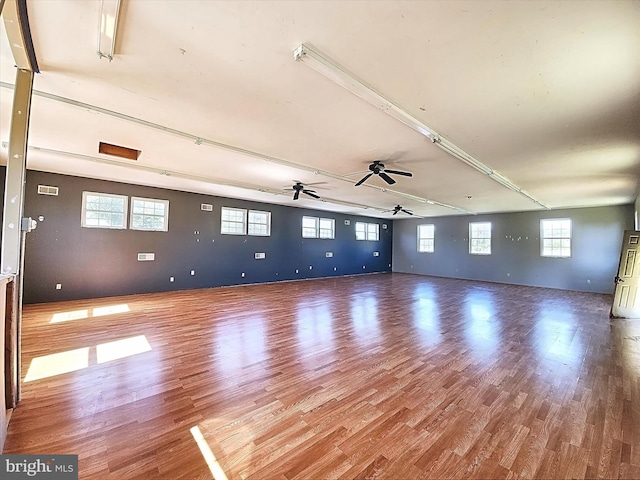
<point>626,297</point>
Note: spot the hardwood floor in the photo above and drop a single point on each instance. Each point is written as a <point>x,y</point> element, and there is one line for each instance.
<point>388,376</point>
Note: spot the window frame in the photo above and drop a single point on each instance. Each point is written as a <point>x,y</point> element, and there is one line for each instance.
<point>561,237</point>
<point>267,224</point>
<point>472,237</point>
<point>233,222</point>
<point>376,232</point>
<point>332,230</point>
<point>363,231</point>
<point>316,231</point>
<point>165,216</point>
<point>309,231</point>
<point>83,220</point>
<point>431,238</point>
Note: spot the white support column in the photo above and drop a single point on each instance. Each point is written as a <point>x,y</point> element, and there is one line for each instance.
<point>16,173</point>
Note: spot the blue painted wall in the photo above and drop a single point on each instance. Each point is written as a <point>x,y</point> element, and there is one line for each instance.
<point>92,263</point>
<point>515,256</point>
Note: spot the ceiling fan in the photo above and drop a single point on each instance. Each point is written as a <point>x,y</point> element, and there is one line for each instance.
<point>399,208</point>
<point>299,187</point>
<point>378,168</point>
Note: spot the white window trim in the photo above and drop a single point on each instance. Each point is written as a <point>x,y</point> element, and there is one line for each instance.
<point>165,218</point>
<point>112,195</point>
<point>432,238</point>
<point>244,221</point>
<point>471,237</point>
<point>268,224</point>
<point>543,238</point>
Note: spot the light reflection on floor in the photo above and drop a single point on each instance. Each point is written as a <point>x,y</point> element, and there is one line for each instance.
<point>364,318</point>
<point>483,327</point>
<point>314,327</point>
<point>239,344</point>
<point>426,320</point>
<point>558,337</point>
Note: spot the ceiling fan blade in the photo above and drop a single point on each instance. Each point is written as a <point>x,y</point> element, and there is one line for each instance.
<point>387,178</point>
<point>364,179</point>
<point>296,195</point>
<point>315,183</point>
<point>398,172</point>
<point>408,212</point>
<point>395,212</point>
<point>311,193</point>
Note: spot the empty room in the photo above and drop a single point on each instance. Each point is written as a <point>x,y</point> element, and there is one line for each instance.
<point>320,240</point>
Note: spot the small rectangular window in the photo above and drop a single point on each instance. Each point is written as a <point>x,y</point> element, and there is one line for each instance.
<point>233,221</point>
<point>104,210</point>
<point>426,238</point>
<point>149,214</point>
<point>310,227</point>
<point>480,238</point>
<point>373,231</point>
<point>367,231</point>
<point>314,227</point>
<point>327,228</point>
<point>259,223</point>
<point>555,237</point>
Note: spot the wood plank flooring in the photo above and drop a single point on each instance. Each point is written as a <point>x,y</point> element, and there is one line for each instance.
<point>388,376</point>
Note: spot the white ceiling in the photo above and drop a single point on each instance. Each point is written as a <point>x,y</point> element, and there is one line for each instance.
<point>546,93</point>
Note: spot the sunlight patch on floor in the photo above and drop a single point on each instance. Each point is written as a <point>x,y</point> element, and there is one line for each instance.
<point>68,316</point>
<point>72,360</point>
<point>57,364</point>
<point>110,310</point>
<point>127,347</point>
<point>209,457</point>
<point>96,312</point>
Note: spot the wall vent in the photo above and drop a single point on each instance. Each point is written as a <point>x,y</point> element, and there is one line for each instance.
<point>146,257</point>
<point>47,190</point>
<point>207,207</point>
<point>118,151</point>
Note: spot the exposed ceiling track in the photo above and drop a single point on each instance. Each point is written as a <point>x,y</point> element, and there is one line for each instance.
<point>204,141</point>
<point>108,28</point>
<point>341,76</point>
<point>189,176</point>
